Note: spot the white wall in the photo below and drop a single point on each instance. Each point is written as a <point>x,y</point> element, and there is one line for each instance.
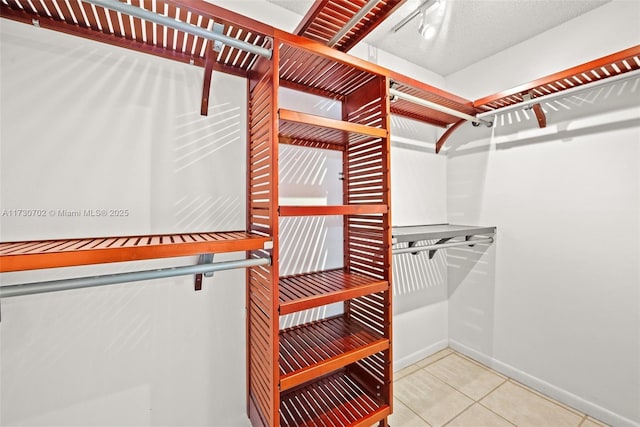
<point>87,126</point>
<point>555,302</point>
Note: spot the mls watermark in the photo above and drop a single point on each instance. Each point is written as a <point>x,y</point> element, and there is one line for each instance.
<point>65,213</point>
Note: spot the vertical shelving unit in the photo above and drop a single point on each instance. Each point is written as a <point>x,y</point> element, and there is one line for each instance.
<point>337,369</point>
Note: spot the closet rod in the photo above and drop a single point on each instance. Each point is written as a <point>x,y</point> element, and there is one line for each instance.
<point>564,93</point>
<point>167,21</point>
<point>414,249</point>
<point>438,107</point>
<point>133,276</point>
<point>352,22</point>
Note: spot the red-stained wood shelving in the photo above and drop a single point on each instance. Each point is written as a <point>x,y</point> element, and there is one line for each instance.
<point>32,255</point>
<point>314,349</point>
<point>326,17</point>
<point>304,291</point>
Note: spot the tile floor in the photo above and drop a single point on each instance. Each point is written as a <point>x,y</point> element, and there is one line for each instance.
<point>449,389</point>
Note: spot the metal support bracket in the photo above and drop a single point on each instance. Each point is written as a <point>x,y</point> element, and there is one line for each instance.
<point>432,252</point>
<point>203,259</point>
<point>467,238</point>
<point>209,59</point>
<point>217,44</point>
<point>537,109</point>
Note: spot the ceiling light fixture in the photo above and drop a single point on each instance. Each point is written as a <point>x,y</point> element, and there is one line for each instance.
<point>423,8</point>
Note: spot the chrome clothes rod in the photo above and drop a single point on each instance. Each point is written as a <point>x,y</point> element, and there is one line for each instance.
<point>438,107</point>
<point>180,26</point>
<point>353,21</point>
<point>134,276</point>
<point>562,94</point>
<point>414,249</point>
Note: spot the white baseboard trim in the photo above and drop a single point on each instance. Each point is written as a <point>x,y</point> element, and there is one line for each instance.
<point>546,388</point>
<point>417,356</point>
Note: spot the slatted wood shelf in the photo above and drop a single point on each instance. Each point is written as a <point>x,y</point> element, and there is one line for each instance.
<point>117,29</point>
<point>308,129</point>
<point>338,400</point>
<point>605,67</point>
<point>326,17</point>
<point>429,93</point>
<point>362,209</point>
<point>303,291</point>
<point>315,349</point>
<point>32,255</point>
<point>311,67</point>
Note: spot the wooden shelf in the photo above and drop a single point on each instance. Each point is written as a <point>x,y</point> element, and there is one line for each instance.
<point>602,68</point>
<point>304,291</point>
<point>32,255</point>
<point>429,93</point>
<point>332,210</point>
<point>338,400</point>
<point>315,349</point>
<point>311,130</point>
<point>326,17</point>
<point>314,68</point>
<point>415,233</point>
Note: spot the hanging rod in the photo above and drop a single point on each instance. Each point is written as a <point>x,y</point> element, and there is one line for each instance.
<point>181,26</point>
<point>564,93</point>
<point>415,249</point>
<point>353,21</point>
<point>134,276</point>
<point>475,120</point>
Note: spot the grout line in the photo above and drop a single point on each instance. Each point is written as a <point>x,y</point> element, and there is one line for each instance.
<point>499,415</point>
<point>547,398</point>
<point>583,420</point>
<point>414,412</point>
<point>461,412</point>
<point>492,390</point>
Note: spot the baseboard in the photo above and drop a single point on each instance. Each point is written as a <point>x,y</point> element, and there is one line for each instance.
<point>403,362</point>
<point>546,388</point>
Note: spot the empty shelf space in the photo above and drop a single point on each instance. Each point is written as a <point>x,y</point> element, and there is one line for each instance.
<point>32,255</point>
<point>302,128</point>
<point>304,291</point>
<point>318,348</point>
<point>416,233</point>
<point>334,400</point>
<point>332,210</point>
<point>319,69</point>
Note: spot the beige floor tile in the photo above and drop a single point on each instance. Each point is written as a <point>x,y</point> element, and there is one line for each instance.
<point>434,357</point>
<point>405,417</point>
<point>479,416</point>
<point>435,401</point>
<point>590,422</point>
<point>405,371</point>
<point>568,408</point>
<point>468,377</point>
<point>527,409</point>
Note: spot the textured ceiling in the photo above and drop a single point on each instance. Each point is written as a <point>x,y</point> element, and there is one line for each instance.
<point>465,31</point>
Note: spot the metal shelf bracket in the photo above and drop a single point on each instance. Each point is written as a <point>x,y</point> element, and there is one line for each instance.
<point>203,259</point>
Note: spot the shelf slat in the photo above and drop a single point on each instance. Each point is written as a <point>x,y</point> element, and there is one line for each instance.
<point>332,210</point>
<point>334,400</point>
<point>318,348</point>
<point>307,129</point>
<point>33,255</point>
<point>305,291</point>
